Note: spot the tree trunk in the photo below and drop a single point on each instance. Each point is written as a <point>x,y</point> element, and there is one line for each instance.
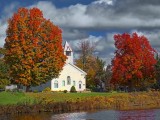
<point>27,88</point>
<point>130,86</point>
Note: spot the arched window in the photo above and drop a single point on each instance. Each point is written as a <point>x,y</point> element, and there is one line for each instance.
<point>74,83</point>
<point>68,80</point>
<point>80,84</point>
<point>63,83</point>
<point>56,84</point>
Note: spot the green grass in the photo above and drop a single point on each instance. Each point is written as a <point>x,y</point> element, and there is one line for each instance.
<point>122,100</point>
<point>13,98</point>
<point>60,97</point>
<point>17,98</point>
<point>74,96</point>
<point>46,101</point>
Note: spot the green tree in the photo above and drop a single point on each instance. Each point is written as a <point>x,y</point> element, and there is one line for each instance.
<point>92,65</point>
<point>87,61</point>
<point>4,76</point>
<point>157,67</point>
<point>100,71</point>
<point>87,48</point>
<point>108,77</point>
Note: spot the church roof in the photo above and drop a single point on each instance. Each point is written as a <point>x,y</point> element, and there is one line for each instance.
<point>67,47</point>
<point>78,68</point>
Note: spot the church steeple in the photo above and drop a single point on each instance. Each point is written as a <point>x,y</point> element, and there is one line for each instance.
<point>68,52</point>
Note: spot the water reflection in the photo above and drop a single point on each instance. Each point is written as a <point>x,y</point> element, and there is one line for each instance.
<point>41,116</point>
<point>70,116</point>
<point>137,115</point>
<point>111,115</point>
<point>91,115</point>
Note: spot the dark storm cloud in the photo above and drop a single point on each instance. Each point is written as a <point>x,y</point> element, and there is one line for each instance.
<point>73,34</point>
<point>105,14</point>
<point>126,14</point>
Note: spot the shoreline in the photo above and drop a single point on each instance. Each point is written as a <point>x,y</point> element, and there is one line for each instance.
<point>130,101</point>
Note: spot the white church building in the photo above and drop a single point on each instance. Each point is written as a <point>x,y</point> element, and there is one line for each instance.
<point>70,76</point>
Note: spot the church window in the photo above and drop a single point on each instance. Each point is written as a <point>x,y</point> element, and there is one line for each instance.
<point>74,83</point>
<point>68,53</point>
<point>63,83</point>
<point>80,84</point>
<point>68,80</point>
<point>56,84</point>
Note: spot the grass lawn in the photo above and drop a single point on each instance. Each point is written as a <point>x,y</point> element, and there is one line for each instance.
<point>60,97</point>
<point>12,98</point>
<point>125,101</point>
<point>16,97</point>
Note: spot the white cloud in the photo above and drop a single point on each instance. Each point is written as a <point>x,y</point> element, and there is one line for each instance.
<point>104,46</point>
<point>72,16</point>
<point>73,34</point>
<point>152,36</point>
<point>3,28</point>
<point>49,10</point>
<point>77,20</point>
<point>107,2</point>
<point>92,39</point>
<point>100,15</point>
<point>6,13</point>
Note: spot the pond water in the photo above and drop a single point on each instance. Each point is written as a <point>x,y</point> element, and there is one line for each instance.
<point>153,114</point>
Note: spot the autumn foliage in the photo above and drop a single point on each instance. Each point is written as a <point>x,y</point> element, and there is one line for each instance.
<point>134,60</point>
<point>92,65</point>
<point>34,49</point>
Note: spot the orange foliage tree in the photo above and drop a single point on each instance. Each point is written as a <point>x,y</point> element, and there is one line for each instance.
<point>34,49</point>
<point>134,61</point>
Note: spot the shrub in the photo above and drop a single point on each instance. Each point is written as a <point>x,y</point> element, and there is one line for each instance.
<point>73,89</point>
<point>15,90</point>
<point>8,90</point>
<point>65,91</point>
<point>2,86</point>
<point>35,91</point>
<point>47,89</point>
<point>93,88</point>
<point>3,83</point>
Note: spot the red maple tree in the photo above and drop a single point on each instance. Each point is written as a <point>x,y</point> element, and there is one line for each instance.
<point>134,60</point>
<point>34,49</point>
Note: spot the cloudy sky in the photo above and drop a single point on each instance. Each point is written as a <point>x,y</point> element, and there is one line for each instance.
<point>93,20</point>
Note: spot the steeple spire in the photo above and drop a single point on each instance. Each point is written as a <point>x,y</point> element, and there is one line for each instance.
<point>68,52</point>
